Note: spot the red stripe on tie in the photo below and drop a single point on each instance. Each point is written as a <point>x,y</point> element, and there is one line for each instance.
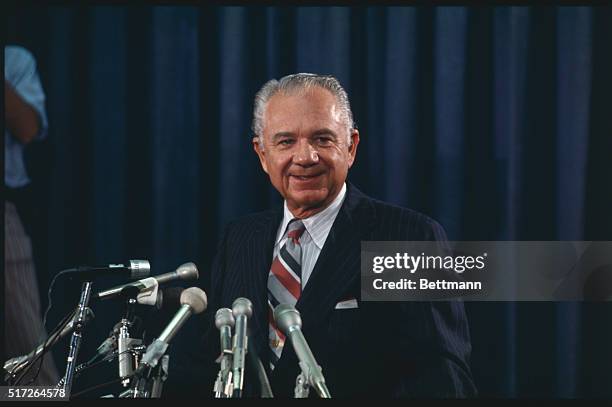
<point>285,278</point>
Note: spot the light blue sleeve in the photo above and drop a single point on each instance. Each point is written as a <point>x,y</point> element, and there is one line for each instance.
<point>20,72</point>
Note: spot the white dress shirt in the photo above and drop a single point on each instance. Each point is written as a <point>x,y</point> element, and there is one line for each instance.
<point>315,235</point>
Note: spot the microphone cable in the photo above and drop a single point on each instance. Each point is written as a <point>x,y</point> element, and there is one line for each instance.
<point>63,323</point>
<point>49,299</point>
<point>44,323</point>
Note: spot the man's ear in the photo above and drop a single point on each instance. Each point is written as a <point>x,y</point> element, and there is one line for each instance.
<point>353,146</point>
<point>260,152</point>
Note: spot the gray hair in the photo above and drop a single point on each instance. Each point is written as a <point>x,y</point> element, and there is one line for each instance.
<point>297,82</point>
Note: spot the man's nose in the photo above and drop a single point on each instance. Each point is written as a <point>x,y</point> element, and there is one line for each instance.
<point>305,154</point>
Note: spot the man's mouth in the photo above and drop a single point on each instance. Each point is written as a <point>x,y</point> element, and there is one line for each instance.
<point>305,177</point>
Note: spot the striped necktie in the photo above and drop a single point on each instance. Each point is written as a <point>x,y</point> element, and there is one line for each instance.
<point>284,284</point>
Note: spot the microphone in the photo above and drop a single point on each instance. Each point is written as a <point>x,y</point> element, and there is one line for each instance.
<point>169,299</point>
<point>134,268</point>
<point>17,363</point>
<point>187,271</point>
<point>289,322</point>
<point>193,301</point>
<point>224,321</point>
<point>242,310</point>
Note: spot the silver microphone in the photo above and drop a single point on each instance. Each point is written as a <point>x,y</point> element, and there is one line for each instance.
<point>193,301</point>
<point>242,310</point>
<point>136,269</point>
<point>224,321</point>
<point>289,322</point>
<point>187,271</point>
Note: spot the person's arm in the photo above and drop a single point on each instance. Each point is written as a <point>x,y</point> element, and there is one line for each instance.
<point>22,121</point>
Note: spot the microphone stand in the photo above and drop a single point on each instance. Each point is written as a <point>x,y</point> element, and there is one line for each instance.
<point>126,344</point>
<point>156,368</point>
<point>159,377</point>
<point>128,349</point>
<point>77,336</point>
<point>149,383</point>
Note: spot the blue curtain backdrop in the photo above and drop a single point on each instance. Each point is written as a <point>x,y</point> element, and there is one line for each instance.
<point>495,121</point>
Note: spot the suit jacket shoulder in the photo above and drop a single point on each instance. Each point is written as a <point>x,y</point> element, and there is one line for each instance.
<point>398,223</point>
<point>379,220</point>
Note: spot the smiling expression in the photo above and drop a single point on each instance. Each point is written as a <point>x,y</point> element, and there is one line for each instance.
<point>306,151</point>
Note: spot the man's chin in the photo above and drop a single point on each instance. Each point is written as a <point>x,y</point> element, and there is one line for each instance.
<point>308,198</point>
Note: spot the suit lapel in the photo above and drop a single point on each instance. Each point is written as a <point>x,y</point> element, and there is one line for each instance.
<point>338,265</point>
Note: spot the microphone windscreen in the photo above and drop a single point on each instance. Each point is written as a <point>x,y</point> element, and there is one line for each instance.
<point>242,306</point>
<point>129,291</point>
<point>170,299</point>
<point>287,316</point>
<point>224,317</point>
<point>195,298</point>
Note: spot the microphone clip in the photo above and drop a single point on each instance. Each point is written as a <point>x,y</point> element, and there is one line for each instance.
<point>154,353</point>
<point>302,386</point>
<point>306,379</point>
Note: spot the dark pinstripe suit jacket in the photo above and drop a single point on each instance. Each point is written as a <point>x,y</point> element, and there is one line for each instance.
<point>379,349</point>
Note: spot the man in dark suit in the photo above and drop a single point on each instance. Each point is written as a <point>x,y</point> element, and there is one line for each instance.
<point>308,254</point>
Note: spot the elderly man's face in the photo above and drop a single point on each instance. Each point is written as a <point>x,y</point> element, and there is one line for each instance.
<point>306,151</point>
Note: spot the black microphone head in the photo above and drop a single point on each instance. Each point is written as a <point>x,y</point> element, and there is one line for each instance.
<point>242,306</point>
<point>129,291</point>
<point>196,298</point>
<point>139,269</point>
<point>169,299</point>
<point>223,317</point>
<point>286,316</point>
<point>187,271</point>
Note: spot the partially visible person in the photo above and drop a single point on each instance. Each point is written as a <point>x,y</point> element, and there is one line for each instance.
<point>25,122</point>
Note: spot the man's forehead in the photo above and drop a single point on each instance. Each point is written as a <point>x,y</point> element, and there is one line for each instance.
<point>307,105</point>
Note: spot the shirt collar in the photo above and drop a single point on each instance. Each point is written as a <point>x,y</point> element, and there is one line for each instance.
<point>317,225</point>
